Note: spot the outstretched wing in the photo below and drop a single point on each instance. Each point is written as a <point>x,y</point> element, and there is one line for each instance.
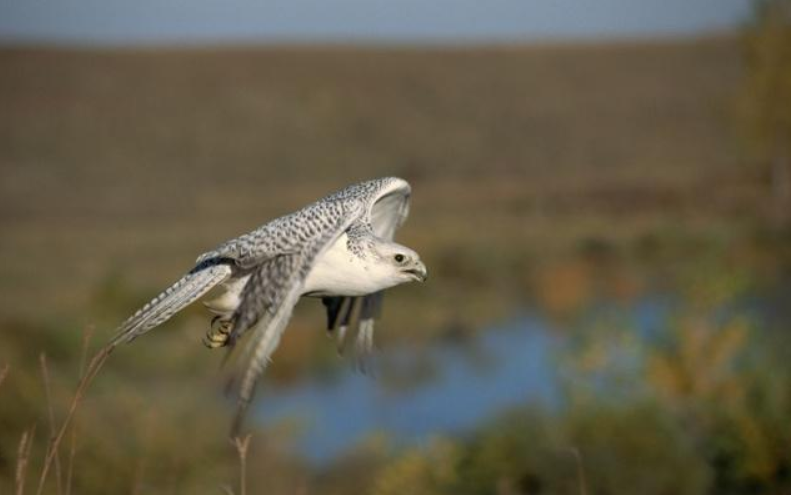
<point>357,314</point>
<point>185,291</point>
<point>387,209</point>
<point>212,268</point>
<point>272,291</point>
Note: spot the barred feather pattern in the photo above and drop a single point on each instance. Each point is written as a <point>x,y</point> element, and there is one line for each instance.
<point>185,291</point>
<point>268,301</point>
<point>264,292</point>
<point>290,233</point>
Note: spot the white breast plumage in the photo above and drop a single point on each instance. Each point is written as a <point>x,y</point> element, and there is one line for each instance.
<point>339,272</point>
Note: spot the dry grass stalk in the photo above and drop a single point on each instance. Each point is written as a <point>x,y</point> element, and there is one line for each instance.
<point>4,372</point>
<point>580,471</point>
<point>86,339</point>
<point>51,416</point>
<point>137,479</point>
<point>241,448</point>
<point>72,454</point>
<point>23,456</point>
<point>93,368</point>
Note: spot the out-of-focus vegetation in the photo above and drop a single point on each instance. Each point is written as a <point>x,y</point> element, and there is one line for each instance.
<point>550,177</point>
<point>766,97</point>
<point>704,411</point>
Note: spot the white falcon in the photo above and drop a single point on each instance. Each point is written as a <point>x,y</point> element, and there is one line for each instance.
<point>339,248</point>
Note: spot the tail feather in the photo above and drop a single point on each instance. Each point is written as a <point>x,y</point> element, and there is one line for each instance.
<point>187,290</point>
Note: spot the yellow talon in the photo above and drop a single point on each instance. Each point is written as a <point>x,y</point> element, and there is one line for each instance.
<point>218,334</point>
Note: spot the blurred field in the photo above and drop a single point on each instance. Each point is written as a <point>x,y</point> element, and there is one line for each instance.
<point>546,177</point>
<point>132,162</point>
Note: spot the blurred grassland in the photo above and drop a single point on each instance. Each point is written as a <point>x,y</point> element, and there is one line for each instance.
<point>118,159</point>
<point>543,176</point>
<point>117,167</point>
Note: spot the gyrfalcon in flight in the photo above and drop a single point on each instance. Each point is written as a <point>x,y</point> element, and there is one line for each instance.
<point>339,248</point>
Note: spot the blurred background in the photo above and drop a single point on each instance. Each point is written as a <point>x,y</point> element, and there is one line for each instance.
<point>601,191</point>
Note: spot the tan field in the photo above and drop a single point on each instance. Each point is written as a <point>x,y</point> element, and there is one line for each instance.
<point>548,177</point>
<point>130,163</point>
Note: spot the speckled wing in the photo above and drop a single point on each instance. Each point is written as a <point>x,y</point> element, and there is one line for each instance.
<point>275,286</point>
<point>387,208</point>
<point>185,291</point>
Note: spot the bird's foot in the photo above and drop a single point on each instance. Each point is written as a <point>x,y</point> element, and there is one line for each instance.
<point>219,333</point>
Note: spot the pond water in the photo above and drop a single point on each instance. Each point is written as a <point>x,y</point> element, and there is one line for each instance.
<point>462,384</point>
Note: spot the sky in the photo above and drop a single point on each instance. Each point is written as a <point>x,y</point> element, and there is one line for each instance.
<point>202,21</point>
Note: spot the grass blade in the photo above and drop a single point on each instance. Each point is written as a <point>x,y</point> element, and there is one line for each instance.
<point>51,416</point>
<point>22,458</point>
<point>93,368</point>
<point>4,373</point>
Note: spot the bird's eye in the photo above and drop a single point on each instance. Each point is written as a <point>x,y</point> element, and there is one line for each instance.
<point>399,258</point>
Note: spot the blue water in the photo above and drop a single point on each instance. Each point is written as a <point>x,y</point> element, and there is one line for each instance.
<point>505,366</point>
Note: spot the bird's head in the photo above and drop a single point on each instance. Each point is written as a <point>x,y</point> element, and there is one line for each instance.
<point>399,263</point>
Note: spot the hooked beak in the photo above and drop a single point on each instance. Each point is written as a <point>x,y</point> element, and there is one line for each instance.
<point>419,272</point>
